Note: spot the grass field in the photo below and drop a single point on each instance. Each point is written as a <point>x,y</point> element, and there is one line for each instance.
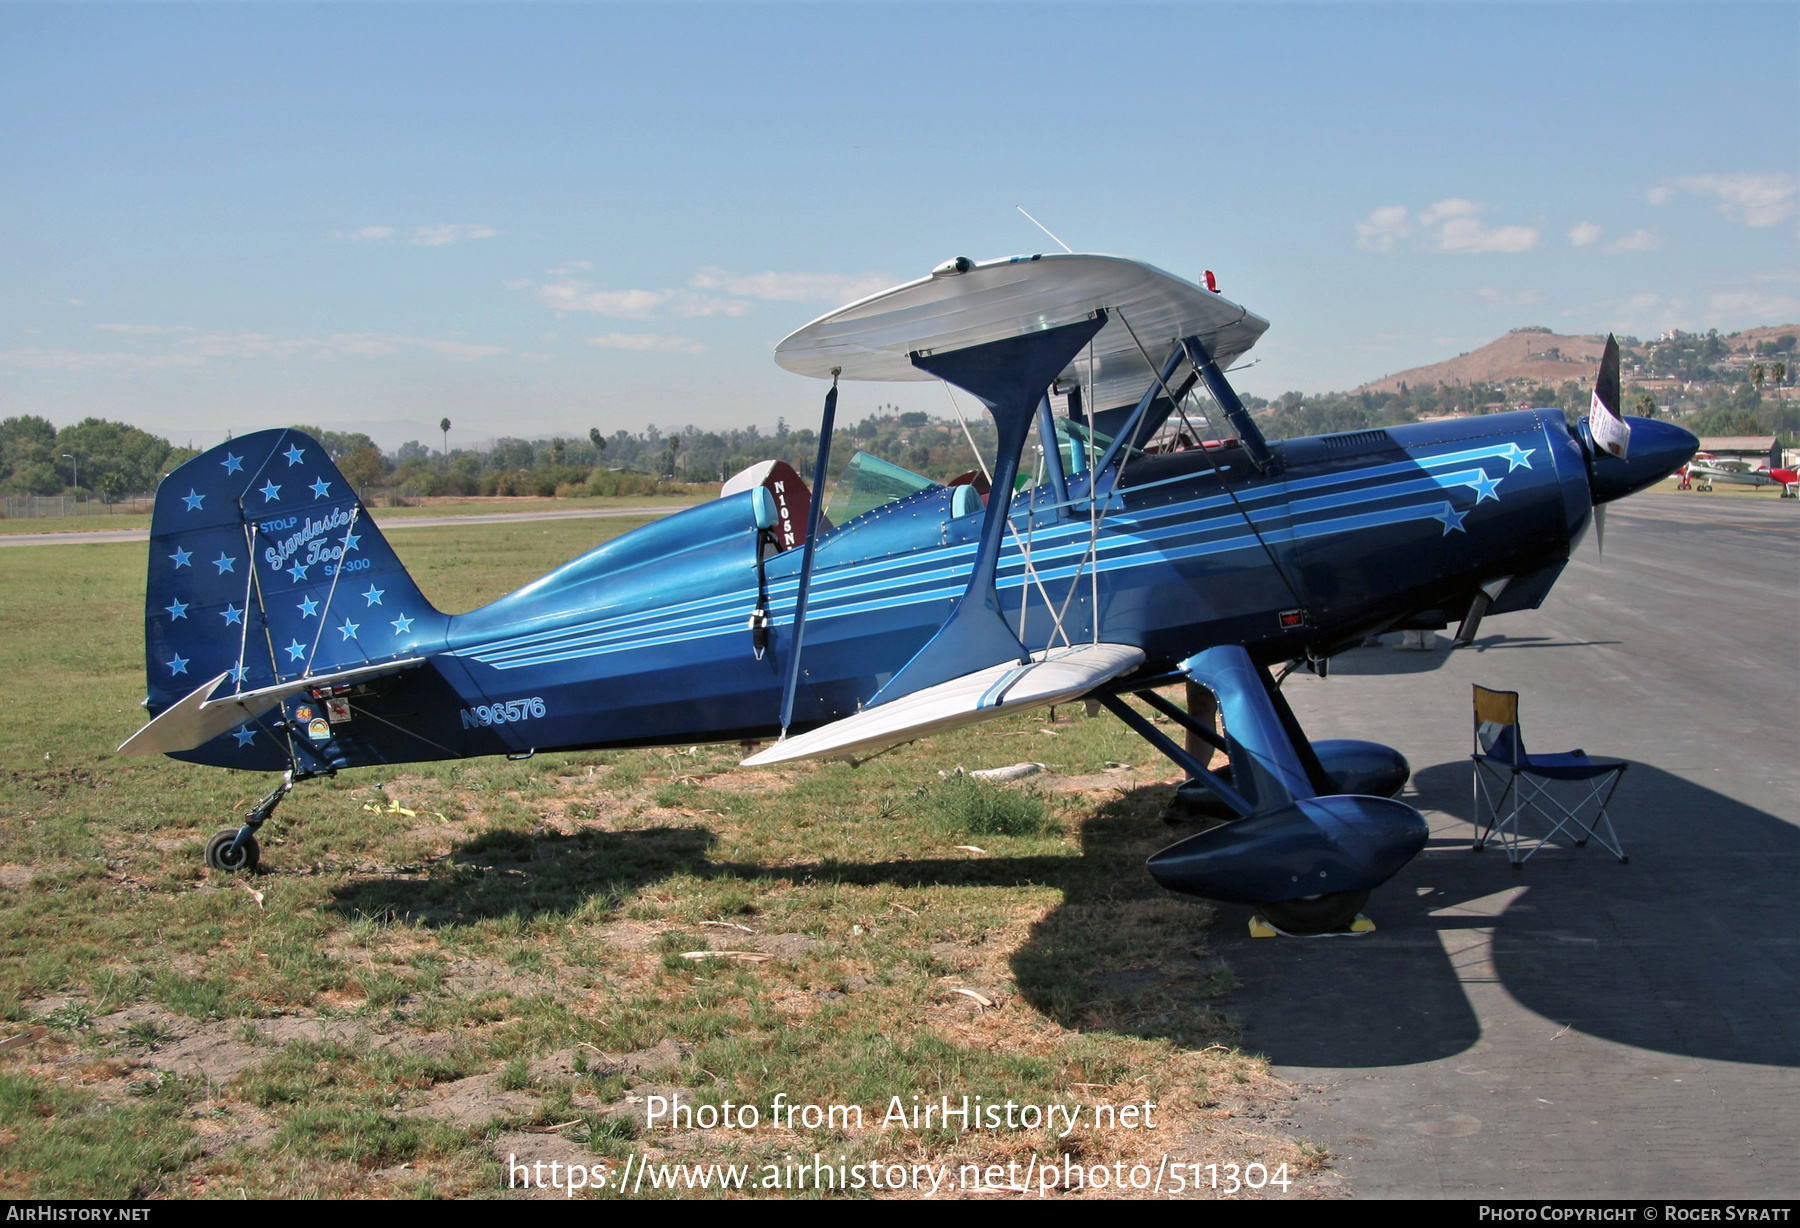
<point>444,966</point>
<point>90,522</point>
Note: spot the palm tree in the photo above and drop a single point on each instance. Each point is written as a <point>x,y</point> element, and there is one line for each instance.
<point>444,426</point>
<point>1757,375</point>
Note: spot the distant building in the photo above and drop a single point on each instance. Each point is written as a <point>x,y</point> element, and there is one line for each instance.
<point>1746,446</point>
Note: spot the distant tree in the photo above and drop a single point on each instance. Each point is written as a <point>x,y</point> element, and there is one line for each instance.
<point>137,457</point>
<point>444,426</point>
<point>599,442</point>
<point>1757,375</point>
<point>363,468</point>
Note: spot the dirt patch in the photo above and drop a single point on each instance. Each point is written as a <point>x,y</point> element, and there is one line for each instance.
<point>234,1126</point>
<point>520,1153</point>
<point>785,946</point>
<point>16,877</point>
<point>475,1101</point>
<point>660,1056</point>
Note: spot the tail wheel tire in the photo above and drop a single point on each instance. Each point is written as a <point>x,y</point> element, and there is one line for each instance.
<point>221,856</point>
<point>1318,914</point>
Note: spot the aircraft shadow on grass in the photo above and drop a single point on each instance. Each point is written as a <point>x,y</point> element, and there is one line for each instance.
<point>1688,949</point>
<point>1070,967</point>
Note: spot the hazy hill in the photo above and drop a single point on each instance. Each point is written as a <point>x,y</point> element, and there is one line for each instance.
<point>1536,354</point>
<point>1543,357</point>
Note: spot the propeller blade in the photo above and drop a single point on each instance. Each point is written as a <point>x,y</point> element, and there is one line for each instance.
<point>1612,434</point>
<point>1600,528</point>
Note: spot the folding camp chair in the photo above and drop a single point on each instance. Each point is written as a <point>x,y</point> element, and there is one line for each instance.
<point>1510,781</point>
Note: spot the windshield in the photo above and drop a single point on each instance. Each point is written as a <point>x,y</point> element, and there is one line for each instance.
<point>869,482</point>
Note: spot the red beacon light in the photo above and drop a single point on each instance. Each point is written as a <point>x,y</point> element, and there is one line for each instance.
<point>1212,283</point>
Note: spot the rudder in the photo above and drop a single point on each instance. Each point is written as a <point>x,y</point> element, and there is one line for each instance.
<point>265,566</point>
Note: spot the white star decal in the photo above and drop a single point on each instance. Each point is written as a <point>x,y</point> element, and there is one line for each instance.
<point>180,557</point>
<point>349,628</point>
<point>225,563</point>
<point>233,464</point>
<point>270,492</point>
<point>402,625</point>
<point>373,596</point>
<point>233,616</point>
<point>308,607</point>
<point>178,665</point>
<point>1484,487</point>
<point>1516,456</point>
<point>176,609</point>
<point>294,455</point>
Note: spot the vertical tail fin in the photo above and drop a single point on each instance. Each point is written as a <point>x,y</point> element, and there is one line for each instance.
<point>265,566</point>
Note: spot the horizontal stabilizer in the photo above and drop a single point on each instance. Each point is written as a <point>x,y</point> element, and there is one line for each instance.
<point>198,718</point>
<point>1051,677</point>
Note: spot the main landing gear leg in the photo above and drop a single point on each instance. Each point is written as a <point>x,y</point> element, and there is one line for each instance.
<point>235,848</point>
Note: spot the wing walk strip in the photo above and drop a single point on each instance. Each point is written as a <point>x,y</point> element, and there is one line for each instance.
<point>936,578</point>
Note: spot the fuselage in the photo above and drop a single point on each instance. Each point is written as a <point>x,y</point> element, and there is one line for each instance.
<point>645,640</point>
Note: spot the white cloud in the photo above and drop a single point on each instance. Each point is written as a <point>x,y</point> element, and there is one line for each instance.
<point>1467,234</point>
<point>1636,241</point>
<point>367,234</point>
<point>792,287</point>
<point>570,267</point>
<point>1456,206</point>
<point>1383,228</point>
<point>574,295</point>
<point>455,351</point>
<point>1450,225</point>
<point>1510,298</point>
<point>1584,233</point>
<point>188,347</point>
<point>1753,199</point>
<point>76,360</point>
<point>451,232</point>
<point>1756,305</point>
<point>649,342</point>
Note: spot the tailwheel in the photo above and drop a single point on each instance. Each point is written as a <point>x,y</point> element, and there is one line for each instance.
<point>221,856</point>
<point>1316,914</point>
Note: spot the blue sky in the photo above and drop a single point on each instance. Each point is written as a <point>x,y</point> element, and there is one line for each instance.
<point>541,219</point>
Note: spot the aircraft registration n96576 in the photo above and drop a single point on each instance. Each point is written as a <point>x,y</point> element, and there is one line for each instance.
<point>282,634</point>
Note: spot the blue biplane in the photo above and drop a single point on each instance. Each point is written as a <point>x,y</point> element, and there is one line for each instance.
<point>283,634</point>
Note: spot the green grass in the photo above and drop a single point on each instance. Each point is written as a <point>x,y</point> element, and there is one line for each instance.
<point>964,805</point>
<point>550,910</point>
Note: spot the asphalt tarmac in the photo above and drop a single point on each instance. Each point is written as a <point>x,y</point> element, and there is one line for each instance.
<point>1577,1028</point>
